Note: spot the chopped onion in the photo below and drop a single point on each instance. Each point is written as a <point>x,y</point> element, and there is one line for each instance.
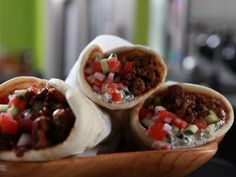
<point>99,76</point>
<point>96,88</point>
<point>168,119</point>
<point>167,127</point>
<point>110,76</point>
<point>159,108</point>
<point>91,79</point>
<point>24,139</point>
<point>88,70</point>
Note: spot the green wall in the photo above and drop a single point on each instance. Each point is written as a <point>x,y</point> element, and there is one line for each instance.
<point>141,22</point>
<point>21,28</point>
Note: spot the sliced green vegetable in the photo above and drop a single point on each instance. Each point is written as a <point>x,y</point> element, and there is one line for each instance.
<point>212,118</point>
<point>191,129</point>
<point>20,93</point>
<point>104,64</point>
<point>146,122</point>
<point>13,110</point>
<point>3,107</point>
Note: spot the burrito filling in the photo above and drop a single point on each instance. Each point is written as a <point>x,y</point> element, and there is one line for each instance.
<point>178,118</point>
<point>34,118</point>
<point>119,78</point>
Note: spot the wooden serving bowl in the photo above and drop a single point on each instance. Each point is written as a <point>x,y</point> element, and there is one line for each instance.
<point>154,163</point>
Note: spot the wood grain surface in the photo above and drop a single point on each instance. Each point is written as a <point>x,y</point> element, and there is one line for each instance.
<point>162,163</point>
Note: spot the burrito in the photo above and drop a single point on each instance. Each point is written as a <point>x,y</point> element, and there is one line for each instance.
<point>180,116</point>
<point>119,78</point>
<point>46,120</point>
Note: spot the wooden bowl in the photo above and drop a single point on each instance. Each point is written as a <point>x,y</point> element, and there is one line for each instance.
<point>154,163</point>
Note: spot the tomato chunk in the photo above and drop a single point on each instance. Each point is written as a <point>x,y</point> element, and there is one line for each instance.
<point>97,67</point>
<point>165,116</point>
<point>179,123</point>
<point>8,124</point>
<point>116,97</point>
<point>4,100</point>
<point>114,64</point>
<point>20,104</point>
<point>157,132</point>
<point>200,123</point>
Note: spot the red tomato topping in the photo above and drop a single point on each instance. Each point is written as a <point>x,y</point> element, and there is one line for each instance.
<point>4,100</point>
<point>8,124</point>
<point>165,116</point>
<point>181,124</point>
<point>116,97</point>
<point>34,89</point>
<point>157,132</point>
<point>20,104</point>
<point>96,66</point>
<point>114,64</point>
<point>111,87</point>
<point>200,123</point>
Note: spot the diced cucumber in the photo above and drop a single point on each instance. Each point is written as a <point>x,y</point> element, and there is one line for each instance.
<point>104,65</point>
<point>13,110</point>
<point>3,107</point>
<point>20,93</point>
<point>212,118</point>
<point>112,55</point>
<point>146,122</point>
<point>191,129</point>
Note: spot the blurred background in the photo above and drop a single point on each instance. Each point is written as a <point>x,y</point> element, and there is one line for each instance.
<point>197,39</point>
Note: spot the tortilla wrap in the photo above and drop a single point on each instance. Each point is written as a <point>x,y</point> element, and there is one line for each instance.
<point>77,79</point>
<point>139,132</point>
<point>91,125</point>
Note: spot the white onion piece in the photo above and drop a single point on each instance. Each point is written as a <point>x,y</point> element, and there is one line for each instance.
<point>159,108</point>
<point>24,139</point>
<point>99,76</point>
<point>167,127</point>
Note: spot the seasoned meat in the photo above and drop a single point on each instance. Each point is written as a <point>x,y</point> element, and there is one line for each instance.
<point>143,76</point>
<point>46,120</point>
<point>189,106</point>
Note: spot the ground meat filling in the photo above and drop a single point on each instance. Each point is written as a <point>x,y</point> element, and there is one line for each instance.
<point>190,106</point>
<point>143,76</point>
<point>45,120</point>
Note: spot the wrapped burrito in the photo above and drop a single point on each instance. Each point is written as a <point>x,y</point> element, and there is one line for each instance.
<point>181,116</point>
<point>118,78</point>
<point>45,120</point>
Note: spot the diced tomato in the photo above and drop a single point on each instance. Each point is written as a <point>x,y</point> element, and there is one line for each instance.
<point>4,100</point>
<point>8,124</point>
<point>114,64</point>
<point>111,87</point>
<point>200,123</point>
<point>96,66</point>
<point>34,89</point>
<point>116,97</point>
<point>18,103</point>
<point>165,116</point>
<point>127,67</point>
<point>145,113</point>
<point>157,132</point>
<point>179,123</point>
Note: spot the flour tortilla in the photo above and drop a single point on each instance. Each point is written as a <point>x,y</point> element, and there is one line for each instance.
<point>90,128</point>
<point>93,50</point>
<point>139,132</point>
